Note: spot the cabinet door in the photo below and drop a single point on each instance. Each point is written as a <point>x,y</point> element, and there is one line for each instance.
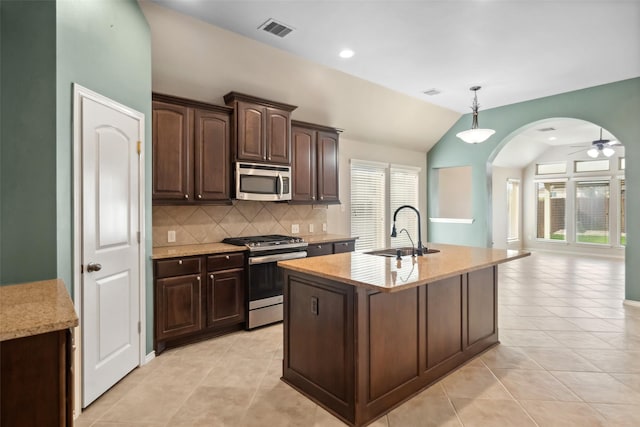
<point>328,167</point>
<point>212,175</point>
<point>346,246</point>
<point>303,147</point>
<point>178,306</point>
<point>251,132</point>
<point>319,249</point>
<point>278,136</point>
<point>225,298</point>
<point>172,151</point>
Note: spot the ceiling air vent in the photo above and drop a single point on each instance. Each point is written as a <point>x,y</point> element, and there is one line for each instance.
<point>276,28</point>
<point>431,92</point>
<point>547,129</point>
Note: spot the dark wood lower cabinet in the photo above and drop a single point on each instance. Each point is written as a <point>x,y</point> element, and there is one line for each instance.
<point>36,380</point>
<point>197,298</point>
<point>359,353</point>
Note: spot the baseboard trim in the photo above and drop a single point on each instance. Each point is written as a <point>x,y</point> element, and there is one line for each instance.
<point>632,303</point>
<point>149,357</point>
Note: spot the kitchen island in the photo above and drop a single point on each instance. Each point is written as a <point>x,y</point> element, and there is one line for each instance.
<point>363,333</point>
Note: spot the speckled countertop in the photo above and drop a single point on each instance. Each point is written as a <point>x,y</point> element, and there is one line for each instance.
<point>386,274</point>
<point>325,238</point>
<point>213,248</point>
<point>193,250</point>
<point>35,308</point>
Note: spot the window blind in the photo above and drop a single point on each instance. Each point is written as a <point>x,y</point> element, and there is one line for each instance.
<point>368,204</point>
<point>403,190</point>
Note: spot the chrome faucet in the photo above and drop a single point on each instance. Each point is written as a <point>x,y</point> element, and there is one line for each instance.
<point>419,249</point>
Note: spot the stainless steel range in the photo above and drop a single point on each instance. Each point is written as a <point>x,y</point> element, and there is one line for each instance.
<point>266,280</point>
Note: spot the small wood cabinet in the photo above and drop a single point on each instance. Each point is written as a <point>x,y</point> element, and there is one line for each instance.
<point>262,129</point>
<point>315,163</point>
<point>191,151</point>
<point>225,290</point>
<point>318,249</point>
<point>198,297</point>
<point>37,380</point>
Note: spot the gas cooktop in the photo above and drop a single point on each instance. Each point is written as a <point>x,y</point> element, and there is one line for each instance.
<point>270,241</point>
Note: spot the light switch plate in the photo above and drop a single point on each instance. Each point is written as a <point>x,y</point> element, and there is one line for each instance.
<point>324,226</point>
<point>295,228</point>
<point>310,228</point>
<point>171,236</point>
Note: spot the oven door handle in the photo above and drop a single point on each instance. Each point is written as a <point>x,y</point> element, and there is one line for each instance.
<point>278,257</point>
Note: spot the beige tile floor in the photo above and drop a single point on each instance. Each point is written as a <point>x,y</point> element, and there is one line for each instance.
<point>569,356</point>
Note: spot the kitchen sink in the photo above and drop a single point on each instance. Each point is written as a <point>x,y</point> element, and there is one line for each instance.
<point>393,252</point>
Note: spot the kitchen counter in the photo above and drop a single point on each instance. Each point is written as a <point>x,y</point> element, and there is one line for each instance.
<point>364,333</point>
<point>35,308</point>
<point>325,238</point>
<point>193,250</point>
<point>386,274</point>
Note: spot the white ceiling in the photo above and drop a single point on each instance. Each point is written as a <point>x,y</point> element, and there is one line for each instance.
<point>517,50</point>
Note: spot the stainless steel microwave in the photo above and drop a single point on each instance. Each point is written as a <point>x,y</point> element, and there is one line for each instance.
<point>263,182</point>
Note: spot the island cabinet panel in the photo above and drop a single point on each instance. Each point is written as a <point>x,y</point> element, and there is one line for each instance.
<point>359,352</point>
<point>323,365</point>
<point>482,313</point>
<point>393,332</point>
<point>444,320</point>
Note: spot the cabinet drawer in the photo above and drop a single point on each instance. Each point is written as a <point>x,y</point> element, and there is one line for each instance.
<point>177,267</point>
<point>340,247</point>
<point>318,249</point>
<point>225,261</point>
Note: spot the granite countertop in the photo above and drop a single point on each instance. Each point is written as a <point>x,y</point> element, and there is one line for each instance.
<point>193,250</point>
<point>385,274</point>
<point>35,308</point>
<point>213,248</point>
<point>325,238</point>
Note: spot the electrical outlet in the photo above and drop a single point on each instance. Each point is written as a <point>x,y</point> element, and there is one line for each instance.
<point>295,228</point>
<point>310,228</point>
<point>324,226</point>
<point>171,236</point>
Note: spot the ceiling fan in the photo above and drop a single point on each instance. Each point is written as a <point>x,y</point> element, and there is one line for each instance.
<point>599,146</point>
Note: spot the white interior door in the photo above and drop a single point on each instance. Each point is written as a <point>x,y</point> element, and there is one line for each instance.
<point>110,248</point>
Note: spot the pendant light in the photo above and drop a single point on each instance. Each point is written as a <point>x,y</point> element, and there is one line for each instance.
<point>475,135</point>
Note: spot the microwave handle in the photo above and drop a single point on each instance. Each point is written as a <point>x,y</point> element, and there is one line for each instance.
<point>281,185</point>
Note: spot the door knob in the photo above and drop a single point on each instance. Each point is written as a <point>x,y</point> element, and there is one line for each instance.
<point>92,266</point>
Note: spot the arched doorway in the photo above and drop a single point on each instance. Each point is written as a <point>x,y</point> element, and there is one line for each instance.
<point>549,192</point>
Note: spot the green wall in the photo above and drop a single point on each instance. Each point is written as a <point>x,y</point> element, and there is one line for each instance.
<point>104,46</point>
<point>28,141</point>
<point>614,106</point>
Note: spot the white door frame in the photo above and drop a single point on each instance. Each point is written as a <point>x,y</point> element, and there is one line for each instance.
<point>80,92</point>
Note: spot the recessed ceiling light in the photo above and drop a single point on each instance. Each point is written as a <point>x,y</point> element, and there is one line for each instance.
<point>552,138</point>
<point>346,53</point>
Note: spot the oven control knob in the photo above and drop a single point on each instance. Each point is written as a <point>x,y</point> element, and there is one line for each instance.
<point>257,243</point>
<point>252,244</point>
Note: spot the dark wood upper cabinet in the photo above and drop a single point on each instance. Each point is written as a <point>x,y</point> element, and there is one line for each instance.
<point>172,152</point>
<point>212,159</point>
<point>315,163</point>
<point>263,129</point>
<point>191,151</point>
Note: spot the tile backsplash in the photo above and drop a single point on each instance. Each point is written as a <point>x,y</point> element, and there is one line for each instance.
<point>210,224</point>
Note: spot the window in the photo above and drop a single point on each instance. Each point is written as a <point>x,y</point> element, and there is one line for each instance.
<point>623,204</point>
<point>592,212</point>
<point>403,190</point>
<point>551,210</point>
<point>551,168</point>
<point>368,204</point>
<point>591,165</point>
<point>513,210</point>
<point>621,163</point>
<point>374,199</point>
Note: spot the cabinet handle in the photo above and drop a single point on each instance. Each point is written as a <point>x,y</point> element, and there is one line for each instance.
<point>313,197</point>
<point>199,196</point>
<point>180,261</point>
<point>198,278</point>
<point>321,197</point>
<point>319,246</point>
<point>211,276</point>
<point>226,257</point>
<point>269,157</point>
<point>186,196</point>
